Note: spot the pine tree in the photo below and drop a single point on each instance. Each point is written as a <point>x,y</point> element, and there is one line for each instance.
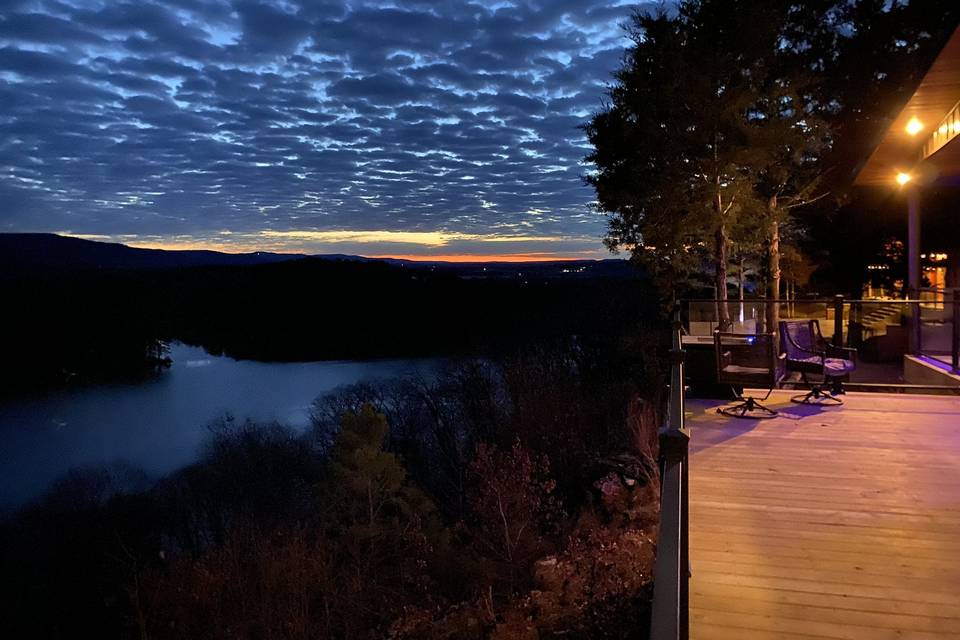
<point>708,121</point>
<point>387,532</point>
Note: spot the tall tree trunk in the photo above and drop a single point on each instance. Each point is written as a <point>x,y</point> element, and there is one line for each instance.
<point>773,308</point>
<point>720,263</point>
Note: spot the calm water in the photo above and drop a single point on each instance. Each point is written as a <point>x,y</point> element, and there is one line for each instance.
<point>160,425</point>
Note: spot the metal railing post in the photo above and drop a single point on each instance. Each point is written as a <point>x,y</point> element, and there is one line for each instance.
<point>677,391</point>
<point>681,438</point>
<point>838,320</point>
<point>955,341</point>
<point>916,327</point>
<point>670,616</point>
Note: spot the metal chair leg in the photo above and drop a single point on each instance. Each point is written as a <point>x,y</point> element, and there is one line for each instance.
<point>745,408</point>
<point>817,396</point>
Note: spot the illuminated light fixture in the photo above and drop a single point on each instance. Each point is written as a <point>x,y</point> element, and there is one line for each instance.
<point>903,178</point>
<point>914,126</point>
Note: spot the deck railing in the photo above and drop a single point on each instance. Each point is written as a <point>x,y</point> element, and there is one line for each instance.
<point>939,309</point>
<point>671,588</point>
<point>926,326</point>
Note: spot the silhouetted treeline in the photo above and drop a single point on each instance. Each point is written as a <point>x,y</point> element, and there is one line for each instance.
<point>73,327</point>
<point>410,504</point>
<point>317,309</point>
<point>86,325</point>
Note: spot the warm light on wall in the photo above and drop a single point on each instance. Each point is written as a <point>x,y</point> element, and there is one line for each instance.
<point>944,132</point>
<point>914,126</point>
<point>903,178</point>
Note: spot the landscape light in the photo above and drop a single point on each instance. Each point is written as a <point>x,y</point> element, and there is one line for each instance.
<point>903,178</point>
<point>914,126</point>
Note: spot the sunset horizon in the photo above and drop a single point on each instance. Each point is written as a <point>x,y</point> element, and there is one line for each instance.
<point>231,243</point>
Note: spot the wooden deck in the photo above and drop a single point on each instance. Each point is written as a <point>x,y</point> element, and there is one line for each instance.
<point>827,523</point>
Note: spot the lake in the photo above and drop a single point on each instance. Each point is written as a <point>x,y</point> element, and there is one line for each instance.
<point>159,425</point>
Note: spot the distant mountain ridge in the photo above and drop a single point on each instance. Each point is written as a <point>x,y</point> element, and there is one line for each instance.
<point>50,252</point>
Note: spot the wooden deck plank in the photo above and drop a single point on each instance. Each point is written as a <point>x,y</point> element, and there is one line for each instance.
<point>945,612</point>
<point>827,523</point>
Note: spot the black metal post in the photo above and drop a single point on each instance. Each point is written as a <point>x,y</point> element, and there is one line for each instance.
<point>955,342</point>
<point>838,320</point>
<point>670,618</point>
<point>916,326</point>
<point>855,326</point>
<point>685,572</point>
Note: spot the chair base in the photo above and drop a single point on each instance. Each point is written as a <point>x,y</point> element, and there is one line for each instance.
<point>749,408</point>
<point>819,397</point>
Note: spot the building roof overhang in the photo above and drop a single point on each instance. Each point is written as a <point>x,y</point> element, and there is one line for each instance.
<point>931,155</point>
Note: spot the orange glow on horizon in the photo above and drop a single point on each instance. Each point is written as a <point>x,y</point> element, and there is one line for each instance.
<point>504,257</point>
<point>466,257</point>
<point>204,246</point>
<point>246,246</point>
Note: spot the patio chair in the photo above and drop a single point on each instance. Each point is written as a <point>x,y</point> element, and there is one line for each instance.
<point>747,360</point>
<point>807,352</point>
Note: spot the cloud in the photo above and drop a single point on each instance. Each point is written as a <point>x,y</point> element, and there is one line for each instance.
<point>172,119</point>
<point>268,28</point>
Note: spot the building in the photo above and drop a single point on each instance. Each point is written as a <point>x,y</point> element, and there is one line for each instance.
<point>918,151</point>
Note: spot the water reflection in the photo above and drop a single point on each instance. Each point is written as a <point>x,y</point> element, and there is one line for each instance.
<point>159,425</point>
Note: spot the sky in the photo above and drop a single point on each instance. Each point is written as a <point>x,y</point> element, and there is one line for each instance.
<point>412,128</point>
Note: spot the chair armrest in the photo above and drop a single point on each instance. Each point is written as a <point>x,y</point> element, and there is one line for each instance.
<point>844,353</point>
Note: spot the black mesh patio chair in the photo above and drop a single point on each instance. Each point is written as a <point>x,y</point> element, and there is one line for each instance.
<point>747,360</point>
<point>807,352</point>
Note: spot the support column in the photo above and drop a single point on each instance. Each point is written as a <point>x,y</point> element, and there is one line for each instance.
<point>913,243</point>
<point>913,264</point>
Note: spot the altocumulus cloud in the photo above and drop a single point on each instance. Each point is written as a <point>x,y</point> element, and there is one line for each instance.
<point>414,127</point>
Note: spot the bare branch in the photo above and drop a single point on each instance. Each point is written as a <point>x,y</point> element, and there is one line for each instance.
<point>802,203</point>
<point>733,199</point>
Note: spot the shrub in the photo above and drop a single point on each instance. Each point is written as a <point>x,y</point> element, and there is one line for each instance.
<point>516,516</point>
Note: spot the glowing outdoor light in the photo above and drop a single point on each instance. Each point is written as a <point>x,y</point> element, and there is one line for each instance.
<point>903,178</point>
<point>914,126</point>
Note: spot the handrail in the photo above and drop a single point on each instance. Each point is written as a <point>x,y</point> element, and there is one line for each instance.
<point>828,301</point>
<point>949,300</point>
<point>670,617</point>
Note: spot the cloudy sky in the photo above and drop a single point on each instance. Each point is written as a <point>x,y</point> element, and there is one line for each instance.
<point>403,127</point>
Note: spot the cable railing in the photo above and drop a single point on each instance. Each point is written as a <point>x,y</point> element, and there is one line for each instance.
<point>900,342</point>
<point>671,587</point>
